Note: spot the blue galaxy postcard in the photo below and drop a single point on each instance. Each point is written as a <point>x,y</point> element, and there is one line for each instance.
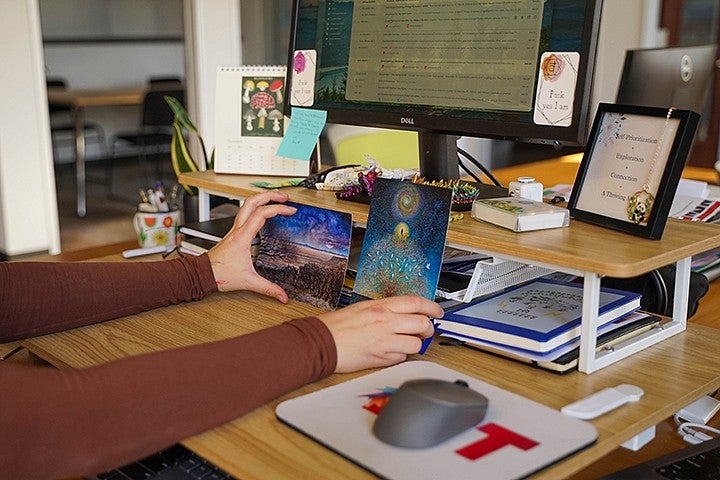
<point>306,253</point>
<point>402,251</point>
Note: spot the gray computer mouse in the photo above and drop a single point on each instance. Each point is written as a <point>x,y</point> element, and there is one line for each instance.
<point>424,412</point>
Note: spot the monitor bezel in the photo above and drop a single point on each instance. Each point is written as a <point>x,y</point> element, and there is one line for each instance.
<point>502,127</point>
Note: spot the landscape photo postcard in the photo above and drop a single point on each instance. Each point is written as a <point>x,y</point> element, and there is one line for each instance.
<point>306,253</point>
<point>402,251</point>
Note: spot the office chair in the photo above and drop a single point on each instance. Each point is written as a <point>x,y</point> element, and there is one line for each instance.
<point>153,135</point>
<point>63,125</point>
<point>165,82</point>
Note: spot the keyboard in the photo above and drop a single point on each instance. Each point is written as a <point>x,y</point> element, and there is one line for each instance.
<point>174,463</point>
<point>694,462</point>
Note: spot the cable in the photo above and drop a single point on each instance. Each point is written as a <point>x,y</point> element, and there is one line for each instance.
<point>480,166</point>
<point>467,170</point>
<point>689,431</point>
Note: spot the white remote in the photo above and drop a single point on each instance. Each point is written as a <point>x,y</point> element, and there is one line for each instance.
<point>603,401</point>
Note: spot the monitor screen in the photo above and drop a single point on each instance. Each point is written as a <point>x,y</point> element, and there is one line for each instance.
<point>680,77</point>
<point>518,70</point>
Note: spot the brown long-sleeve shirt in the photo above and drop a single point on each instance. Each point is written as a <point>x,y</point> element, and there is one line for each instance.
<point>57,423</point>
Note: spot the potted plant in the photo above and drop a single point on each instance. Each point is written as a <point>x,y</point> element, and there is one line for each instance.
<point>182,159</point>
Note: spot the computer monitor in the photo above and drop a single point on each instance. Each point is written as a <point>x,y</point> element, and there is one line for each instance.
<point>678,77</point>
<point>519,70</point>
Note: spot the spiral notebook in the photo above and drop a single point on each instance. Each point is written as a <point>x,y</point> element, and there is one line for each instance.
<point>250,123</point>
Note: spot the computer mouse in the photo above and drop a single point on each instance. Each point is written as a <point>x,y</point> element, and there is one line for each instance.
<point>425,412</point>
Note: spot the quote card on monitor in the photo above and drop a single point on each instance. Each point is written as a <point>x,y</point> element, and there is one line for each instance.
<point>250,124</point>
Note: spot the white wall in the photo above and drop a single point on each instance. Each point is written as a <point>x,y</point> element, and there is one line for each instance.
<point>28,208</point>
<point>212,41</point>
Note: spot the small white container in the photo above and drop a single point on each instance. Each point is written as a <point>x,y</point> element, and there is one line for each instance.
<point>526,187</point>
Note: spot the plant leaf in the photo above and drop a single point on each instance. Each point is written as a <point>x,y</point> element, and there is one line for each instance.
<point>181,159</point>
<point>181,115</point>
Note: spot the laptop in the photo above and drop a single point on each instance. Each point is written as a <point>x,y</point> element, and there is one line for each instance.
<point>694,462</point>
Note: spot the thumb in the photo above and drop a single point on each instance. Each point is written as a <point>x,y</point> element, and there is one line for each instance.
<point>265,287</point>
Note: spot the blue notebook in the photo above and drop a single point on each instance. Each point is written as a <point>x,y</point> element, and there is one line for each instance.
<point>537,316</point>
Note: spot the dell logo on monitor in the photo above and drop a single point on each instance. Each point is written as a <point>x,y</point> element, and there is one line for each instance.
<point>407,121</point>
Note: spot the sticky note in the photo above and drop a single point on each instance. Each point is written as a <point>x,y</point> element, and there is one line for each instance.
<point>302,133</point>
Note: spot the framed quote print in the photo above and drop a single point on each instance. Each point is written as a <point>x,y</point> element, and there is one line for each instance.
<point>631,167</point>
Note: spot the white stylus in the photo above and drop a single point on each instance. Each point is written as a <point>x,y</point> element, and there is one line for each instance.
<point>139,252</point>
<point>603,401</point>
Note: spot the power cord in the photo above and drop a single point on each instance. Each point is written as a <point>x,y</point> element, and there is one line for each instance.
<point>690,431</point>
<point>468,171</point>
<point>478,165</point>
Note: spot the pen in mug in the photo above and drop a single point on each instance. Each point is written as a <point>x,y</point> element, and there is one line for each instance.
<point>173,197</point>
<point>160,198</point>
<point>151,199</point>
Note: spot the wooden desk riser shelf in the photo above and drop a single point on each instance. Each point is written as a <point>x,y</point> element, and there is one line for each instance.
<point>582,249</point>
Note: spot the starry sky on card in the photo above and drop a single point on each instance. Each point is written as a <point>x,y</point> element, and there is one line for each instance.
<point>318,228</point>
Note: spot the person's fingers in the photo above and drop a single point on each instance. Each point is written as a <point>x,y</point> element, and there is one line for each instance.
<point>412,304</point>
<point>389,359</point>
<point>268,288</point>
<point>408,324</point>
<point>251,204</point>
<point>255,222</point>
<point>404,344</point>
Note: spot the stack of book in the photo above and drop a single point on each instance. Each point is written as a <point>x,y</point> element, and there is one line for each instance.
<point>199,237</point>
<point>539,322</point>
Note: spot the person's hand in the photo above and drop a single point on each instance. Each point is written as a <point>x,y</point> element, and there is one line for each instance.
<point>231,258</point>
<point>378,333</point>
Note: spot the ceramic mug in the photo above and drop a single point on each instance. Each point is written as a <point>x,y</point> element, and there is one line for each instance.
<point>157,228</point>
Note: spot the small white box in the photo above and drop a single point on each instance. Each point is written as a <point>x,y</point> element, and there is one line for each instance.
<point>701,410</point>
<point>640,440</point>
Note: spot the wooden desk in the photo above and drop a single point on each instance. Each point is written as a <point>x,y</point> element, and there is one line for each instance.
<point>79,100</point>
<point>672,373</point>
<point>259,446</point>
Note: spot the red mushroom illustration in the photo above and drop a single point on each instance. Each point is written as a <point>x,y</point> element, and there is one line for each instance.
<point>276,87</point>
<point>261,101</point>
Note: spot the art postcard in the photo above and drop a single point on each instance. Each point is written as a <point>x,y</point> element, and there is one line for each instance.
<point>402,251</point>
<point>306,253</point>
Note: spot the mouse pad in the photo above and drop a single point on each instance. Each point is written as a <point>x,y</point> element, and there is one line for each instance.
<point>516,438</point>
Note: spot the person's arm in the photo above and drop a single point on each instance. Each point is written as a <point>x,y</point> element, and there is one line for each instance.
<point>43,297</point>
<point>81,422</point>
<point>84,421</point>
<point>60,423</point>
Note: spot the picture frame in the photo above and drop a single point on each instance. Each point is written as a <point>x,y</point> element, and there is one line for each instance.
<point>631,167</point>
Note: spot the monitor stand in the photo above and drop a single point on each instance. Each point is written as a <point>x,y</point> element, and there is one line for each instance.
<point>438,156</point>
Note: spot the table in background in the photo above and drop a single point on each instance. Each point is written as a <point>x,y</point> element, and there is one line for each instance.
<point>79,100</point>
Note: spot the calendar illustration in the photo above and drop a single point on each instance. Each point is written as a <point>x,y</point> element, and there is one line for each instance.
<point>250,123</point>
